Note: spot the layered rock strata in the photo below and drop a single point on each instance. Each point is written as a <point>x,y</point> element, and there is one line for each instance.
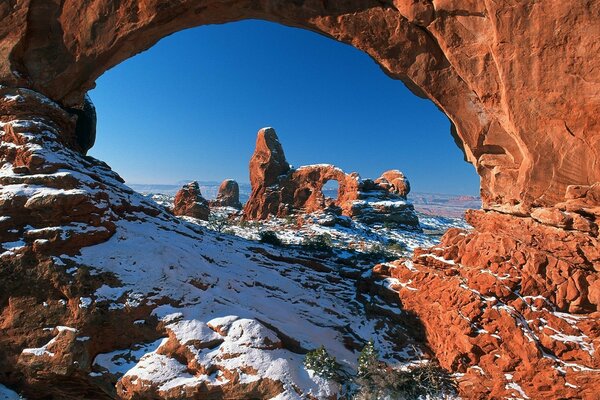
<point>513,305</point>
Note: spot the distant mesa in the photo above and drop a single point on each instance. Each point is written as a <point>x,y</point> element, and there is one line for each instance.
<point>228,195</point>
<point>280,190</point>
<point>190,203</point>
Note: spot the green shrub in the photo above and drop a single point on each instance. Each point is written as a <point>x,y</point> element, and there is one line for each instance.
<point>367,360</point>
<point>322,364</point>
<point>270,237</point>
<point>378,253</point>
<point>218,222</point>
<point>395,246</point>
<point>376,380</point>
<point>322,243</point>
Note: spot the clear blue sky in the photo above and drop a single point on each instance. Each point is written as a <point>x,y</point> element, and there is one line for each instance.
<point>190,107</point>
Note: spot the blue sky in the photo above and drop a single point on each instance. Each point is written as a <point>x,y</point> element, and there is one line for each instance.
<point>190,107</point>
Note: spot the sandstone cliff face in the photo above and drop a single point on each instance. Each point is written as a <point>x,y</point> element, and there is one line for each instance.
<point>519,82</point>
<point>279,190</point>
<point>513,305</point>
<point>190,203</point>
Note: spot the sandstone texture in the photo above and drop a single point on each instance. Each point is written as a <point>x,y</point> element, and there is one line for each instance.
<point>512,304</point>
<point>516,80</point>
<point>280,190</point>
<point>190,203</point>
<point>228,195</point>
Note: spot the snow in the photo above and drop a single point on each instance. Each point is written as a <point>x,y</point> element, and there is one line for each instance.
<point>7,394</point>
<point>120,361</point>
<point>237,296</point>
<point>41,351</point>
<point>85,302</point>
<point>514,386</point>
<point>187,331</point>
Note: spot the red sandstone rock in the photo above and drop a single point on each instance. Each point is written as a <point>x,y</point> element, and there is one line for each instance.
<point>278,190</point>
<point>525,117</point>
<point>190,203</point>
<point>394,181</point>
<point>518,80</point>
<point>503,294</point>
<point>228,195</point>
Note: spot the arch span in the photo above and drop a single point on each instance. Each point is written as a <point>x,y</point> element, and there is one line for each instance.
<point>511,108</point>
<point>519,81</point>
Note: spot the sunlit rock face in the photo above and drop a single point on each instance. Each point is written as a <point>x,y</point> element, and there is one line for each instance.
<point>278,190</point>
<point>228,195</point>
<point>518,81</point>
<point>190,203</point>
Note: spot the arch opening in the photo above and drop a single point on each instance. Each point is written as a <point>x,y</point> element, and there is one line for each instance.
<point>340,92</point>
<point>330,191</point>
<point>536,154</point>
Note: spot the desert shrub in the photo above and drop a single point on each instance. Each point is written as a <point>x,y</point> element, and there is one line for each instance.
<point>395,246</point>
<point>218,222</point>
<point>378,253</point>
<point>367,360</point>
<point>270,237</point>
<point>322,364</point>
<point>320,242</point>
<point>376,380</point>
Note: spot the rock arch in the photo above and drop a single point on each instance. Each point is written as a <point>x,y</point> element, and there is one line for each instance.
<point>518,80</point>
<point>514,112</point>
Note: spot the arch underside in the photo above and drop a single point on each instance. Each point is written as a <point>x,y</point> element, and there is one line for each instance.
<point>519,83</point>
<point>526,142</point>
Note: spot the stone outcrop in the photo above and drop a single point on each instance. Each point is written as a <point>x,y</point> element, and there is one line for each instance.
<point>395,182</point>
<point>280,190</point>
<point>228,195</point>
<point>53,203</point>
<point>383,202</point>
<point>190,203</point>
<point>518,81</point>
<point>513,305</point>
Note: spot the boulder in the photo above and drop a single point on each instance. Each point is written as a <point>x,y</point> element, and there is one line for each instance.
<point>190,203</point>
<point>228,195</point>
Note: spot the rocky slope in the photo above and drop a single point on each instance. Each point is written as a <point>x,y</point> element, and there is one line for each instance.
<point>124,299</point>
<point>519,82</point>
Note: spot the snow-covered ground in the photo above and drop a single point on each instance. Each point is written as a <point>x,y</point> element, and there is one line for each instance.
<point>208,275</point>
<point>347,236</point>
<point>276,291</point>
